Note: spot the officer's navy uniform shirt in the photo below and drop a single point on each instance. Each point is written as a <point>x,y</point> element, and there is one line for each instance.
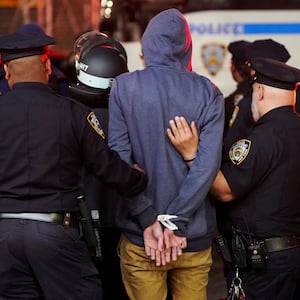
<point>243,122</point>
<point>266,180</point>
<point>44,139</point>
<point>232,101</point>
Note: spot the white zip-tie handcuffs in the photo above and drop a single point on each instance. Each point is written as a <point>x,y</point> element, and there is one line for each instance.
<point>166,221</point>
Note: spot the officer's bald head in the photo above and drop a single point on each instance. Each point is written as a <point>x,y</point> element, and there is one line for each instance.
<point>25,56</point>
<point>35,68</point>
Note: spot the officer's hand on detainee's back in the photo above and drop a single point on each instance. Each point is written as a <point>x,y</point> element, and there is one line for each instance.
<point>184,137</point>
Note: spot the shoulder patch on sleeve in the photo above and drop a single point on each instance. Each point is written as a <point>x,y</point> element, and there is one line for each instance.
<point>236,100</point>
<point>95,124</point>
<point>239,151</point>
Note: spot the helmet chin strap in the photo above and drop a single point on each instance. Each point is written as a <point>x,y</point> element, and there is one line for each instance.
<point>93,98</point>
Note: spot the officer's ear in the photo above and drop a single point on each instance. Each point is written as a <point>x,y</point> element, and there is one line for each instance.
<point>47,64</point>
<point>48,67</point>
<point>7,72</point>
<point>261,92</point>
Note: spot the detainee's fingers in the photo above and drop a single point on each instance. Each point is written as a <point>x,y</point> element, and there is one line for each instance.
<point>174,253</point>
<point>167,239</point>
<point>158,258</point>
<point>148,251</point>
<point>163,258</point>
<point>168,255</point>
<point>152,253</point>
<point>179,250</point>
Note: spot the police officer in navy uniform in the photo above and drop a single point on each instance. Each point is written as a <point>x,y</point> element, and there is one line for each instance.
<point>261,187</point>
<point>238,115</point>
<point>98,60</point>
<point>241,122</point>
<point>45,140</point>
<point>241,74</point>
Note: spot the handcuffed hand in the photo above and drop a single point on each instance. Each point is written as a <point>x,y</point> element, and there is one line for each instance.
<point>173,245</point>
<point>162,245</point>
<point>154,244</point>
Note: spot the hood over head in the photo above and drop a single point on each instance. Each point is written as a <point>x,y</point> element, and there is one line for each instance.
<point>167,41</point>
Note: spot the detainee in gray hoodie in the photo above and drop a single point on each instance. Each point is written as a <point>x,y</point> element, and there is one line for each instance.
<point>140,107</point>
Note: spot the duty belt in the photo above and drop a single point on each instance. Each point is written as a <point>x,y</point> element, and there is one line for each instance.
<point>279,243</point>
<point>66,219</point>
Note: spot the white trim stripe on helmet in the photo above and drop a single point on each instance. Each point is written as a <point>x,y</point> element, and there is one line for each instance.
<point>94,81</point>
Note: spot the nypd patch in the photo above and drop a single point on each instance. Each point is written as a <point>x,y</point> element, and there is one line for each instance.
<point>95,124</point>
<point>213,56</point>
<point>239,151</point>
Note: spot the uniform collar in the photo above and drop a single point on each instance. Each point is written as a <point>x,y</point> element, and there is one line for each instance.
<point>274,113</point>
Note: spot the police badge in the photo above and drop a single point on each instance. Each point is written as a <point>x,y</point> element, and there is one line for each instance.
<point>213,56</point>
<point>239,151</point>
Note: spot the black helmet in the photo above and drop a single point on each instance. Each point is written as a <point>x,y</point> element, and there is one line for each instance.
<point>98,60</point>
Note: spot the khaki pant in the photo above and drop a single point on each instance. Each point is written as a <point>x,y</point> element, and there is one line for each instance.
<point>187,277</point>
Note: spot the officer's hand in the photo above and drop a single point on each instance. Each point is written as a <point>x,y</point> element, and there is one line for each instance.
<point>184,137</point>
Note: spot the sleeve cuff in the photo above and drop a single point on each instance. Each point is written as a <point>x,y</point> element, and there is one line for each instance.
<point>147,217</point>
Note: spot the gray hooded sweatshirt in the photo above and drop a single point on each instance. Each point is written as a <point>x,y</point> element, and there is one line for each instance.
<point>140,107</point>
